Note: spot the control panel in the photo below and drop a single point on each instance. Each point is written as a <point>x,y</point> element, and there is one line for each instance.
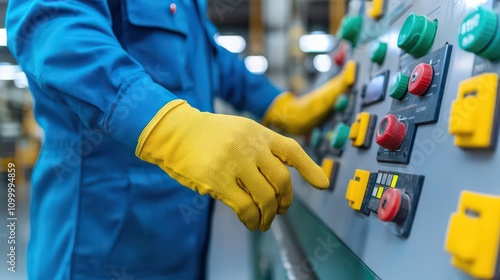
<point>410,148</point>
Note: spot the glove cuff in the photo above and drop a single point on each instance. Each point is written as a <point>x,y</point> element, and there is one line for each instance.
<point>154,122</point>
<point>276,111</point>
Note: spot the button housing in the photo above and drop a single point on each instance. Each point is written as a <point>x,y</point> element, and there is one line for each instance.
<point>440,61</point>
<point>409,186</point>
<point>415,110</point>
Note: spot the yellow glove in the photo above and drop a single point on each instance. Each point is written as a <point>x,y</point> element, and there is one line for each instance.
<point>298,115</point>
<point>233,159</point>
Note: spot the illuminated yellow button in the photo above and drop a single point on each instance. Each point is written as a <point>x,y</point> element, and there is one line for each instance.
<point>359,129</point>
<point>357,188</point>
<point>377,9</point>
<point>394,181</point>
<point>474,234</point>
<point>328,166</point>
<point>349,73</point>
<point>380,192</point>
<point>473,112</point>
<point>354,132</point>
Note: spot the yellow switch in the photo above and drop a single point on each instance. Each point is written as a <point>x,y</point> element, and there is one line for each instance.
<point>328,166</point>
<point>359,130</point>
<point>377,9</point>
<point>357,187</point>
<point>474,234</point>
<point>473,112</point>
<point>349,73</point>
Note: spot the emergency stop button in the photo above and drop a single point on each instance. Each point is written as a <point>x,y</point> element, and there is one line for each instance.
<point>394,206</point>
<point>390,133</point>
<point>421,79</point>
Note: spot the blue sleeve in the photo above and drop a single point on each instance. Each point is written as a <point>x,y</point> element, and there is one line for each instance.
<point>242,89</point>
<point>69,50</point>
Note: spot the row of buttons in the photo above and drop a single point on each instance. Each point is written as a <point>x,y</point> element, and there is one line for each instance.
<point>473,232</point>
<point>478,33</point>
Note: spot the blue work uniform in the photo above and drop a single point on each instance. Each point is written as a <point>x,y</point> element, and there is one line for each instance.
<point>99,71</point>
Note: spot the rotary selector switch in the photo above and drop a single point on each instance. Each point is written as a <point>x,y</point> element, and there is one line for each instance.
<point>390,133</point>
<point>480,33</point>
<point>394,206</point>
<point>421,79</point>
<point>417,35</point>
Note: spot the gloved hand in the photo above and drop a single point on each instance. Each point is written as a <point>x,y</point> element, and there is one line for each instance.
<point>298,115</point>
<point>233,159</point>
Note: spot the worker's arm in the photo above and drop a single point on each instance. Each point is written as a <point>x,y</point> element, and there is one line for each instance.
<point>297,115</point>
<point>244,90</point>
<point>68,49</point>
<point>282,110</point>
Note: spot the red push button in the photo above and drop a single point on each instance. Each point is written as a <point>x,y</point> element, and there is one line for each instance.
<point>390,133</point>
<point>389,206</point>
<point>420,79</point>
<point>340,55</point>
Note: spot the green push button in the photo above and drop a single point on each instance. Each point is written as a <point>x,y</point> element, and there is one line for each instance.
<point>340,136</point>
<point>399,85</point>
<point>316,137</point>
<point>417,35</point>
<point>351,28</point>
<point>341,103</point>
<point>378,53</point>
<point>479,33</point>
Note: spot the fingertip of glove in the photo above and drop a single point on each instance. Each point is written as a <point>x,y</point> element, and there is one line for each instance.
<point>251,229</point>
<point>264,229</point>
<point>321,183</point>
